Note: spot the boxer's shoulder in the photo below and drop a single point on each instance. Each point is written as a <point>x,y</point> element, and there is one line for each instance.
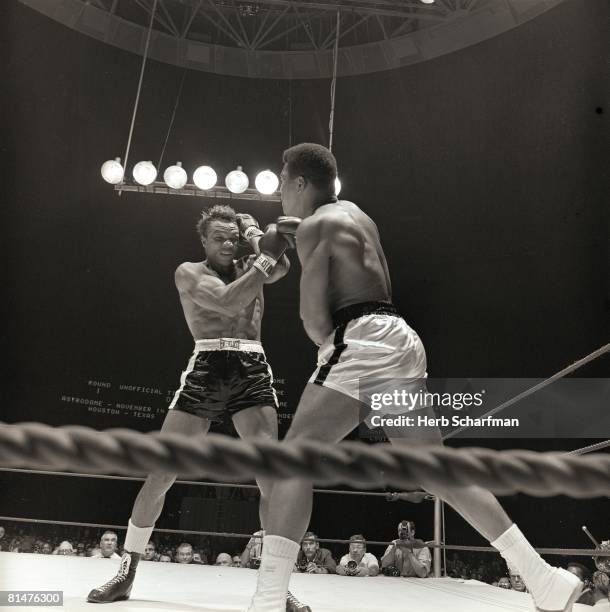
<point>191,273</point>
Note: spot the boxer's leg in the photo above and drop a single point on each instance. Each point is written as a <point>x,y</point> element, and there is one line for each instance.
<point>553,589</point>
<point>146,511</point>
<point>150,499</point>
<point>259,422</point>
<point>322,414</point>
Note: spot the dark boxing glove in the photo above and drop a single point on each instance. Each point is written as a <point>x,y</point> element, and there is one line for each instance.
<point>287,226</point>
<point>248,226</point>
<point>272,245</point>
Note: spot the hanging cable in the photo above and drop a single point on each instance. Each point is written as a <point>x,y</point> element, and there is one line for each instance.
<point>333,85</point>
<point>135,106</point>
<point>171,123</point>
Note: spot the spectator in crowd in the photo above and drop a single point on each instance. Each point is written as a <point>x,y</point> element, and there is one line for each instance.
<point>150,553</point>
<point>198,559</point>
<point>236,561</point>
<point>65,548</point>
<point>313,559</point>
<point>165,559</point>
<point>504,582</point>
<point>108,546</point>
<point>583,572</point>
<point>251,557</point>
<point>3,539</point>
<point>358,562</point>
<point>46,548</point>
<point>407,555</point>
<point>516,582</point>
<point>601,598</point>
<point>184,554</point>
<point>80,549</point>
<point>224,559</point>
<point>15,544</point>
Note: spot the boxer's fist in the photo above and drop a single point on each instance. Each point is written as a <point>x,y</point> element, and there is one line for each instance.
<point>287,226</point>
<point>272,242</point>
<point>248,226</point>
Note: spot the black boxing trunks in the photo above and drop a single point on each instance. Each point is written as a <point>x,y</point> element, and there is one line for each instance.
<point>223,377</point>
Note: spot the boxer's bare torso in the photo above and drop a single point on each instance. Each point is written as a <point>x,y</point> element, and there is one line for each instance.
<point>206,315</point>
<point>343,264</point>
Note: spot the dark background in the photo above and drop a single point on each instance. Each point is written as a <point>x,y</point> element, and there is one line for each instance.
<point>486,171</point>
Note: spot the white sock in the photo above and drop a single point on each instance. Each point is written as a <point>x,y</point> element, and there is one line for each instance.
<point>137,538</point>
<point>520,554</point>
<point>277,563</point>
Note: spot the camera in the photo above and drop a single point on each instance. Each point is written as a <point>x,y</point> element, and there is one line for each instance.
<point>302,566</point>
<point>352,568</point>
<point>391,571</point>
<point>255,563</point>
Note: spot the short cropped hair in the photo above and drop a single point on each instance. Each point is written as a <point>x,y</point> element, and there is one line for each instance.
<point>219,212</point>
<point>314,162</point>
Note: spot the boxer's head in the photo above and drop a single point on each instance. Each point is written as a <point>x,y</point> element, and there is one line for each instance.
<point>307,179</point>
<point>310,544</point>
<point>219,235</point>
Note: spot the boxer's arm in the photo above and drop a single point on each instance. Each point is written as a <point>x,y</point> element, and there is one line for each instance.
<point>314,250</point>
<point>211,293</point>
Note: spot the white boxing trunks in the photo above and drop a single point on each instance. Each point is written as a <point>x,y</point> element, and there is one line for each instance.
<point>370,340</point>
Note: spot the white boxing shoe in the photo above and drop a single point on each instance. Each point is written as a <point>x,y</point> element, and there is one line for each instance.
<point>560,592</point>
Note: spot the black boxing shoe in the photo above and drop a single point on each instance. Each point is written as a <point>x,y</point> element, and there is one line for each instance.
<point>119,587</point>
<point>294,605</point>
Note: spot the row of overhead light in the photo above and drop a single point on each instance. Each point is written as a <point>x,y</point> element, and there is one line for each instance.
<point>204,177</point>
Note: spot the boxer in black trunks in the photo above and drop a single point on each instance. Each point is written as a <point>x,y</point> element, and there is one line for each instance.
<point>345,305</point>
<point>227,375</point>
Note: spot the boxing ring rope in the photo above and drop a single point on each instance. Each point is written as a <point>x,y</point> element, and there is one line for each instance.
<point>517,398</point>
<point>582,552</point>
<point>591,448</point>
<point>124,451</point>
<point>426,496</point>
<point>504,472</point>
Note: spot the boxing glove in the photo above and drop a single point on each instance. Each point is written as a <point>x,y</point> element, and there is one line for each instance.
<point>248,226</point>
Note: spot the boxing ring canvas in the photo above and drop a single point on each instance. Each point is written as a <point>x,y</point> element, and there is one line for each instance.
<point>169,587</point>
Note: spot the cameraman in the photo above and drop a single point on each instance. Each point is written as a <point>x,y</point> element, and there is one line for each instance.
<point>407,556</point>
<point>251,557</point>
<point>313,559</point>
<point>358,562</point>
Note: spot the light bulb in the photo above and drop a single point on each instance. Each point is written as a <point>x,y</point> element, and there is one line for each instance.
<point>204,177</point>
<point>144,173</point>
<point>266,182</point>
<point>112,171</point>
<point>237,181</point>
<point>175,176</point>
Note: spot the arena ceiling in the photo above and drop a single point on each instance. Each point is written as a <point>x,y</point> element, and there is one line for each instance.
<point>292,38</point>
